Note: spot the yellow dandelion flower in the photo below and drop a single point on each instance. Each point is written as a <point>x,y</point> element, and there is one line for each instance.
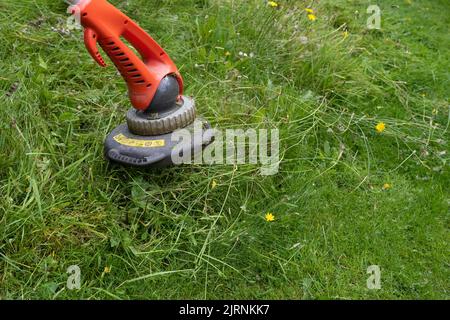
<point>272,4</point>
<point>227,53</point>
<point>213,184</point>
<point>312,17</point>
<point>380,127</point>
<point>345,34</point>
<point>309,10</point>
<point>386,186</point>
<point>107,269</point>
<point>270,217</point>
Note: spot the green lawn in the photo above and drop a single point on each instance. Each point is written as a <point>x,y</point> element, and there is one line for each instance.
<point>199,231</point>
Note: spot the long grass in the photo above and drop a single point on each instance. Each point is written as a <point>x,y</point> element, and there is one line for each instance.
<point>346,197</point>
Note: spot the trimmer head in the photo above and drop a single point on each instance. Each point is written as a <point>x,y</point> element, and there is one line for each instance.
<point>151,142</point>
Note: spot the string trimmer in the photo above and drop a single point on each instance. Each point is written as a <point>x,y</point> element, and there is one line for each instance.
<point>155,87</point>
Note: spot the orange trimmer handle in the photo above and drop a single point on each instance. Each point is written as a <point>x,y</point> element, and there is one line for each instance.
<point>107,26</point>
<point>152,53</point>
<point>142,82</point>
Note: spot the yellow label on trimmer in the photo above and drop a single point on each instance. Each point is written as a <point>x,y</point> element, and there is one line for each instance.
<point>120,138</point>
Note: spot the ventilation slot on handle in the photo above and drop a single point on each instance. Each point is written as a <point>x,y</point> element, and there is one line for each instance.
<point>126,68</point>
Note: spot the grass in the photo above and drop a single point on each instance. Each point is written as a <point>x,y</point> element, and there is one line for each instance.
<point>176,234</point>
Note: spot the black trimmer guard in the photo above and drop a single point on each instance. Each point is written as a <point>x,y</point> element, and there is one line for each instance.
<point>124,147</point>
